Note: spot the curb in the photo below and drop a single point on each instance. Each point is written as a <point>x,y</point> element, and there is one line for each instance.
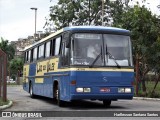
<point>145,98</point>
<point>6,106</point>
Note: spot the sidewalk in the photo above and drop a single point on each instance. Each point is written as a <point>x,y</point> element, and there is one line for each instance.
<point>145,98</point>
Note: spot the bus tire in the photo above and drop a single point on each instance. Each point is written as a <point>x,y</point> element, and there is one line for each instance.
<point>31,91</point>
<point>107,103</point>
<point>59,102</point>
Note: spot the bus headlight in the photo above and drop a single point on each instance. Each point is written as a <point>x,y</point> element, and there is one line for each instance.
<point>79,89</point>
<point>87,89</point>
<point>124,90</point>
<point>121,90</point>
<point>127,90</point>
<point>83,89</point>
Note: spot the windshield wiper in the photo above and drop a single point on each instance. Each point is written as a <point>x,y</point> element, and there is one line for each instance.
<point>95,60</point>
<point>100,54</point>
<point>113,59</point>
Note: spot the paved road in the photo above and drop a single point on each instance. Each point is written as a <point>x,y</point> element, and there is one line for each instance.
<point>23,102</point>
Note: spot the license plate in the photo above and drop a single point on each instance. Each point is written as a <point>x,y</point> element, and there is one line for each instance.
<point>104,89</point>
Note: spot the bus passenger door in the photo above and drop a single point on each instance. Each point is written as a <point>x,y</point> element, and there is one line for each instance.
<point>64,60</point>
<point>64,87</point>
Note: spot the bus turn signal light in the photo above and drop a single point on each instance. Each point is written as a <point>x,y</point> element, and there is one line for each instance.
<point>73,82</point>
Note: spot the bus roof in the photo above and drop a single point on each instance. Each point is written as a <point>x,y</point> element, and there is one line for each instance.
<point>97,28</point>
<point>80,28</point>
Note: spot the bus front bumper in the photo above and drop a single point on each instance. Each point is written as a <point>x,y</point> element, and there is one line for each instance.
<point>101,96</point>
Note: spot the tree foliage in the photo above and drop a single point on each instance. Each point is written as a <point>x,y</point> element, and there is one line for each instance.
<point>7,48</point>
<point>144,27</point>
<point>16,66</point>
<point>77,12</point>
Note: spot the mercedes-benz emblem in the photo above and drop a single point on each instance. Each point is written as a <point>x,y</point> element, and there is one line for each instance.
<point>105,79</point>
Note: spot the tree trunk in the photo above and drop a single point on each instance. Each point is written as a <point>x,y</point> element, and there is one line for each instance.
<point>18,79</point>
<point>143,80</point>
<point>137,73</point>
<point>143,85</point>
<point>156,83</point>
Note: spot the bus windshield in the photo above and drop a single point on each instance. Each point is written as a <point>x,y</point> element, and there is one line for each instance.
<point>100,50</point>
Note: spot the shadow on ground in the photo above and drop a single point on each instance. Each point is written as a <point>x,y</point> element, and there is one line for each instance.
<point>80,104</point>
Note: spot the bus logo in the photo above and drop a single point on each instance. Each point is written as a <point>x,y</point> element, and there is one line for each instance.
<point>105,79</point>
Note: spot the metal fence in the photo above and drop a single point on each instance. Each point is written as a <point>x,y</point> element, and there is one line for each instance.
<point>3,75</point>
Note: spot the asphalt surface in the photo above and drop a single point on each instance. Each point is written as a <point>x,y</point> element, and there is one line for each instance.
<point>22,102</point>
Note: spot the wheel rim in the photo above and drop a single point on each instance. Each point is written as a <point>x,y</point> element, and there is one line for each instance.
<point>57,94</point>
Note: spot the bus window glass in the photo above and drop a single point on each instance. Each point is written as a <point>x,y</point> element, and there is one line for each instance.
<point>29,56</point>
<point>41,51</point>
<point>118,46</point>
<point>47,51</point>
<point>85,48</point>
<point>26,56</point>
<point>65,54</point>
<point>35,54</point>
<point>57,46</point>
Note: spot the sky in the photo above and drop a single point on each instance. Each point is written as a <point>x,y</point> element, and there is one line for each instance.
<point>17,20</point>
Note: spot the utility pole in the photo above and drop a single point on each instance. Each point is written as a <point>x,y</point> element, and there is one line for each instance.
<point>89,13</point>
<point>35,21</point>
<point>103,1</point>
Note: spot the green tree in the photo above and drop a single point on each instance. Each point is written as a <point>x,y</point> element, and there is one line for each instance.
<point>144,33</point>
<point>153,57</point>
<point>117,9</point>
<point>7,48</point>
<point>77,12</point>
<point>16,67</point>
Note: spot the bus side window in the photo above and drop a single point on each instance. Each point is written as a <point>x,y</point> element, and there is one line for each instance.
<point>57,46</point>
<point>41,52</point>
<point>31,59</point>
<point>35,54</point>
<point>47,49</point>
<point>65,54</point>
<point>26,56</point>
<point>29,56</point>
<point>52,47</point>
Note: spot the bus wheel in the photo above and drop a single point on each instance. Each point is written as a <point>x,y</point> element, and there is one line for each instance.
<point>57,95</point>
<point>106,103</point>
<point>31,91</point>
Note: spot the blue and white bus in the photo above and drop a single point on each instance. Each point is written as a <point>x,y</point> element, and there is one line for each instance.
<point>81,62</point>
